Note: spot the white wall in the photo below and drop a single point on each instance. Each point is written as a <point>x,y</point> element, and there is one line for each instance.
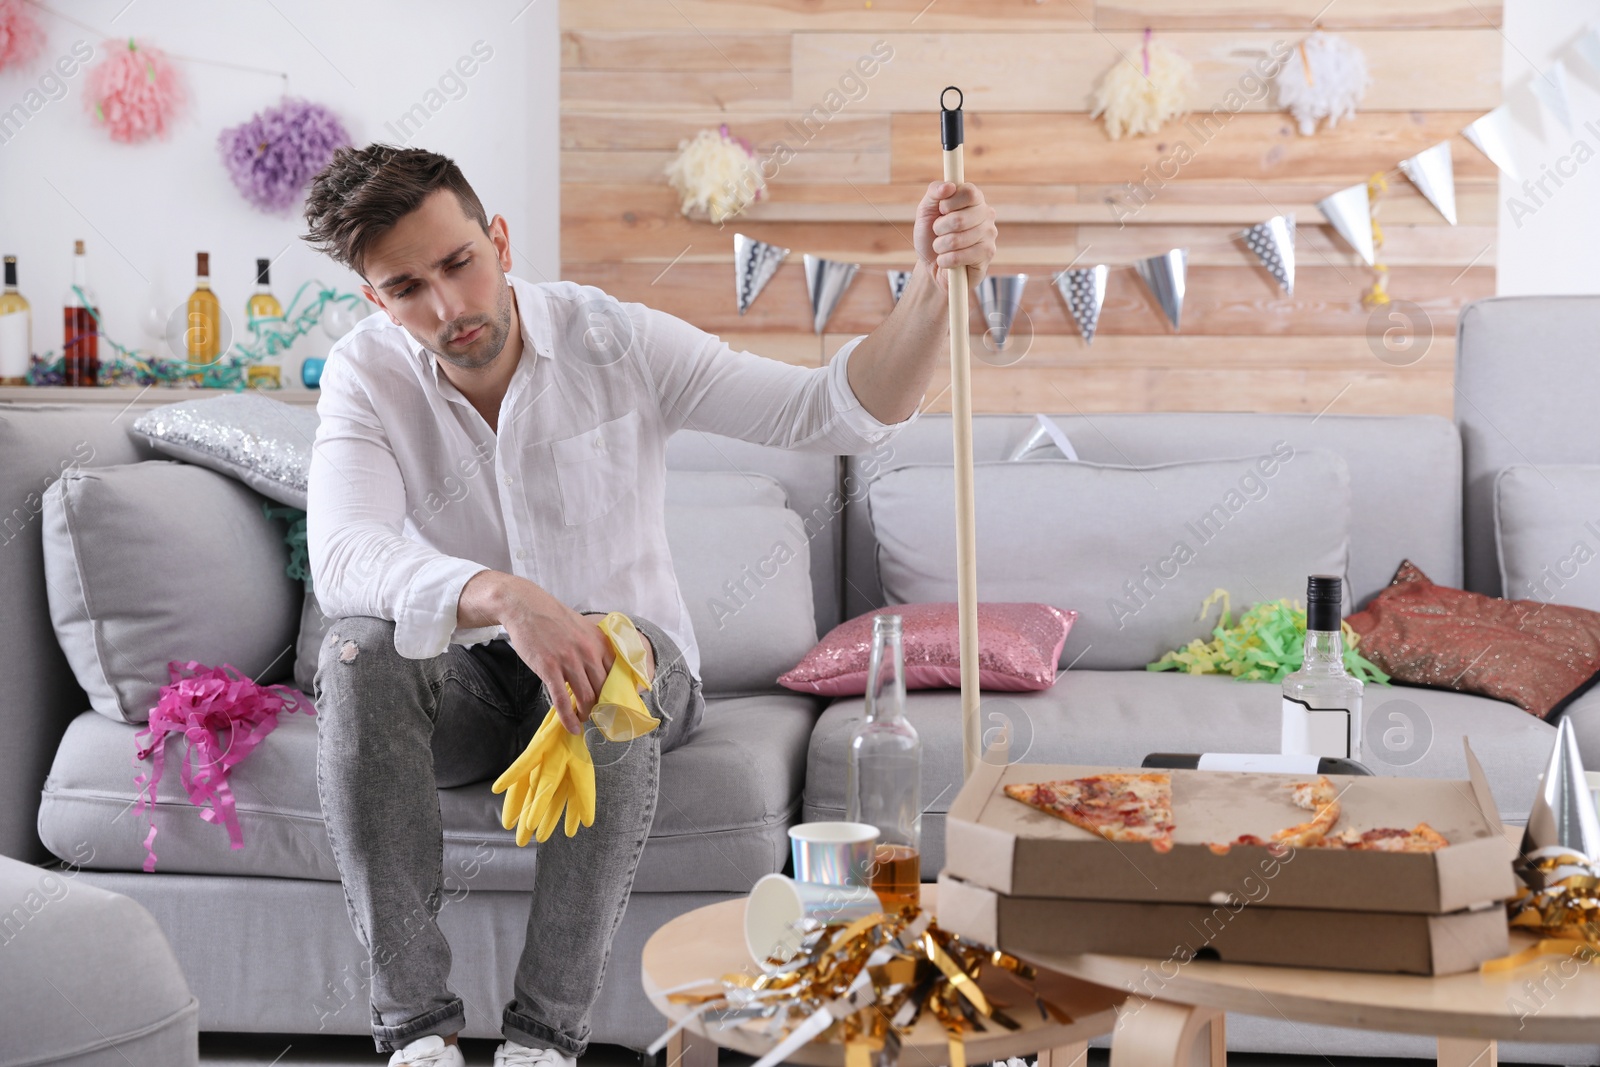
<point>144,210</point>
<point>1550,236</point>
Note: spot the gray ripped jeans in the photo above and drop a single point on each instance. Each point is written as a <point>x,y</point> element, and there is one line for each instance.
<point>391,732</point>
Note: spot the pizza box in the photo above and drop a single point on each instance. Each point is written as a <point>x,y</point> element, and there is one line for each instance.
<point>1003,844</point>
<point>1039,928</point>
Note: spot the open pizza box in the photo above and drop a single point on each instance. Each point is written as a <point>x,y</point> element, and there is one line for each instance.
<point>1036,885</point>
<point>1005,845</point>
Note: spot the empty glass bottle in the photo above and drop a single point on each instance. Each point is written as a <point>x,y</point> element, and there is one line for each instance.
<point>884,776</point>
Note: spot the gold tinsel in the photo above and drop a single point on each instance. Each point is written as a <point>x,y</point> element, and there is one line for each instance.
<point>866,983</point>
<point>1564,910</point>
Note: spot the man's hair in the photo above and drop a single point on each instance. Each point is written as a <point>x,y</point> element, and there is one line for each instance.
<point>363,192</point>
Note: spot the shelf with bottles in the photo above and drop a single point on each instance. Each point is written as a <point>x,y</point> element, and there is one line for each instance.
<point>205,350</point>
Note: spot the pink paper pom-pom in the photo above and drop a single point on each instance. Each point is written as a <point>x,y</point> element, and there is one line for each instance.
<point>136,92</point>
<point>21,39</point>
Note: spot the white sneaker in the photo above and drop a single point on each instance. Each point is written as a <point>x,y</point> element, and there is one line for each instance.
<point>430,1051</point>
<point>511,1054</point>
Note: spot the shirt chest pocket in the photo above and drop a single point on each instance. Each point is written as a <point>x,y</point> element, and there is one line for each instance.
<point>597,468</point>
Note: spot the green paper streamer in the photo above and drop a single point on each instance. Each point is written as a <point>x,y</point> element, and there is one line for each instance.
<point>1267,644</point>
<point>299,556</point>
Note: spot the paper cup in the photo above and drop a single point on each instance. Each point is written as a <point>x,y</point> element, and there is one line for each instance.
<point>778,903</point>
<point>833,853</point>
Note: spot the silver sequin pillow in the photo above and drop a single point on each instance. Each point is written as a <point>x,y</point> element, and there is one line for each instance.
<point>264,443</point>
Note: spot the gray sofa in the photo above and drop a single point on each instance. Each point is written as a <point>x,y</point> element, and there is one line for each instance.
<point>262,934</point>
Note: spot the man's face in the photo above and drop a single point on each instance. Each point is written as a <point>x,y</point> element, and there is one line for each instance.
<point>437,274</point>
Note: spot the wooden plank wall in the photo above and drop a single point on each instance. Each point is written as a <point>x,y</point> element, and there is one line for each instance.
<point>640,75</point>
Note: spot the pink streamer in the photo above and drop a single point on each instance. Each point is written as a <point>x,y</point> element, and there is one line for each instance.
<point>211,707</point>
<point>1146,49</point>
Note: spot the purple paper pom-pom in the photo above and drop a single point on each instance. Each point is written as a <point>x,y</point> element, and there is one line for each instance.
<point>272,156</point>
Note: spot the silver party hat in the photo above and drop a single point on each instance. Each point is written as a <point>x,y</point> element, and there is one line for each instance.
<point>1434,175</point>
<point>754,264</point>
<point>1084,290</point>
<point>1491,135</point>
<point>1350,212</point>
<point>1273,243</point>
<point>1563,819</point>
<point>826,281</point>
<point>1000,295</point>
<point>897,283</point>
<point>1165,276</point>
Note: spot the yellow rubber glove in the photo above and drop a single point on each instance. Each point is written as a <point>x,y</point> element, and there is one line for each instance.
<point>556,771</point>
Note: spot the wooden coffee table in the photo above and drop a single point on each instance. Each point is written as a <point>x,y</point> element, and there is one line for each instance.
<point>708,943</point>
<point>1468,1012</point>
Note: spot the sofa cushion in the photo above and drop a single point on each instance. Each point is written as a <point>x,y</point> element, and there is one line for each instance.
<point>728,796</point>
<point>263,442</point>
<point>1116,718</point>
<point>1133,550</point>
<point>1547,526</point>
<point>745,573</point>
<point>151,562</point>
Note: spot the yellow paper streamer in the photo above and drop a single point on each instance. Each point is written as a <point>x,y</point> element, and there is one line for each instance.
<point>1377,293</point>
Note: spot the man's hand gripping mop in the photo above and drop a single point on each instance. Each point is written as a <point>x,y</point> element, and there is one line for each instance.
<point>555,771</point>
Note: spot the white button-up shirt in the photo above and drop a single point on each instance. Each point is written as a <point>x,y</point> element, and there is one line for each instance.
<point>411,493</point>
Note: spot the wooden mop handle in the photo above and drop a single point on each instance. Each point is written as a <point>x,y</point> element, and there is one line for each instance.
<point>961,424</point>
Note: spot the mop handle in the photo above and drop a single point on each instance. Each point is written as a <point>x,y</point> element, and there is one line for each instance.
<point>961,424</point>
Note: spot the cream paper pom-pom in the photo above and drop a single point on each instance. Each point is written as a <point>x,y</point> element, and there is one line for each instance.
<point>1134,104</point>
<point>1331,89</point>
<point>717,174</point>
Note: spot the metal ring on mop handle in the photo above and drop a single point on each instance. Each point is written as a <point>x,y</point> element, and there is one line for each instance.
<point>951,137</point>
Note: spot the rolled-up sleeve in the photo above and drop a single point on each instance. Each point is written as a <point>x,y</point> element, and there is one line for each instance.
<point>706,384</point>
<point>361,563</point>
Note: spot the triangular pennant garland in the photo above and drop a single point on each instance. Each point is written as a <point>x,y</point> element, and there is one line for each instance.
<point>754,264</point>
<point>1433,173</point>
<point>1273,243</point>
<point>1000,295</point>
<point>897,283</point>
<point>1165,276</point>
<point>1491,135</point>
<point>826,281</point>
<point>1084,290</point>
<point>1551,89</point>
<point>1588,48</point>
<point>1350,212</point>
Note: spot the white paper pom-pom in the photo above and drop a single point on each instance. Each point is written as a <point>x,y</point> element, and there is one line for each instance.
<point>716,174</point>
<point>1330,89</point>
<point>1135,104</point>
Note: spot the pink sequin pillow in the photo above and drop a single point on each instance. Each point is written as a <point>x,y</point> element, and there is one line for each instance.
<point>1019,646</point>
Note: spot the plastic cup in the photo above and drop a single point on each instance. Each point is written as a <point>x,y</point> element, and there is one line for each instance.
<point>778,904</point>
<point>833,853</point>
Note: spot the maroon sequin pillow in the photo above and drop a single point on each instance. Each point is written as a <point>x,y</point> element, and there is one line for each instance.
<point>1534,655</point>
<point>1019,646</point>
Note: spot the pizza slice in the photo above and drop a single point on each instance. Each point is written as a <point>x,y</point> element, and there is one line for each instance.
<point>1420,838</point>
<point>1118,807</point>
<point>1320,797</point>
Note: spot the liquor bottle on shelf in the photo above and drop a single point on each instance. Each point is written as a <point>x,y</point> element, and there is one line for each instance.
<point>80,334</point>
<point>202,334</point>
<point>884,772</point>
<point>1321,700</point>
<point>268,373</point>
<point>16,330</point>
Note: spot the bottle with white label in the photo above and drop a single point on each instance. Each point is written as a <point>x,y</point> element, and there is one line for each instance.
<point>16,330</point>
<point>1321,700</point>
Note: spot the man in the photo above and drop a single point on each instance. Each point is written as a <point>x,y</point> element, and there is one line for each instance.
<point>488,472</point>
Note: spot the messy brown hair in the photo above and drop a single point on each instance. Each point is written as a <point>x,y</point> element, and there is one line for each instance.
<point>363,192</point>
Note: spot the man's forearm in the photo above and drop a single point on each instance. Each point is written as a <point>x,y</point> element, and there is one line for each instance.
<point>484,598</point>
<point>889,371</point>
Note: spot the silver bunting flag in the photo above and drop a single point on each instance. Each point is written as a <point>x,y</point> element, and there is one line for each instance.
<point>826,281</point>
<point>1164,276</point>
<point>1491,135</point>
<point>1433,173</point>
<point>1350,212</point>
<point>1084,290</point>
<point>1273,243</point>
<point>999,296</point>
<point>897,283</point>
<point>754,264</point>
<point>1551,90</point>
<point>1563,818</point>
